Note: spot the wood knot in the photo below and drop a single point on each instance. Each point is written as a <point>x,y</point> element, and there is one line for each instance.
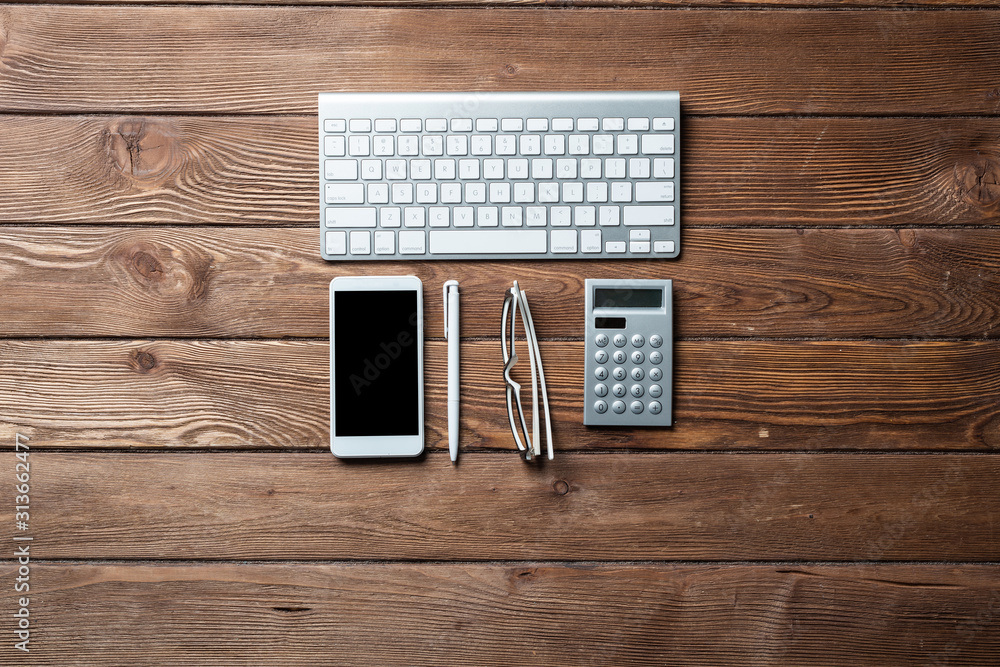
<point>142,361</point>
<point>160,270</point>
<point>977,178</point>
<point>907,237</point>
<point>143,151</point>
<point>561,487</point>
<point>510,70</point>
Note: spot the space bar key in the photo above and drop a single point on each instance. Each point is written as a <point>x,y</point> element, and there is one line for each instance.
<point>488,242</point>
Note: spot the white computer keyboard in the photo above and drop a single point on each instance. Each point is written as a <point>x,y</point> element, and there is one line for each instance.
<point>558,175</point>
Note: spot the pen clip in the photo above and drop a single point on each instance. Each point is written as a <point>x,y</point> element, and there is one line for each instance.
<point>447,284</point>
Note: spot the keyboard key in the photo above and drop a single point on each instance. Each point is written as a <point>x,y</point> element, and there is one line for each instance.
<point>468,169</point>
<point>609,216</point>
<point>663,124</point>
<point>371,170</point>
<point>638,167</point>
<point>555,144</point>
<point>517,169</point>
<point>457,144</point>
<point>342,216</point>
<point>451,193</point>
<point>537,125</point>
<point>562,124</point>
<point>487,216</point>
<point>385,243</point>
<point>524,193</point>
<point>535,216</point>
<point>360,125</point>
<point>335,146</point>
<point>663,246</point>
<point>435,125</point>
<point>663,167</point>
<point>613,124</point>
<point>590,167</point>
<point>346,193</point>
<point>359,145</point>
<point>487,125</point>
<point>638,125</point>
<point>621,191</point>
<point>461,125</point>
<point>427,193</point>
<point>361,243</point>
<point>408,145</point>
<point>566,168</point>
<point>412,242</point>
<point>638,235</point>
<point>572,192</point>
<point>402,193</point>
<point>378,193</point>
<point>597,192</point>
<point>530,144</point>
<point>383,145</point>
<point>654,191</point>
<point>648,216</point>
<point>559,216</point>
<point>585,216</point>
<point>444,170</point>
<point>484,242</point>
<point>511,125</point>
<point>475,193</point>
<point>604,144</point>
<point>614,247</point>
<point>614,167</point>
<point>579,144</point>
<point>414,216</point>
<point>499,193</point>
<point>512,216</point>
<point>548,193</point>
<point>493,169</point>
<point>336,243</point>
<point>439,216</point>
<point>657,144</point>
<point>411,125</point>
<point>638,246</point>
<point>590,240</point>
<point>587,125</point>
<point>335,125</point>
<point>433,144</point>
<point>390,216</point>
<point>464,216</point>
<point>541,168</point>
<point>563,240</point>
<point>482,144</point>
<point>341,170</point>
<point>506,144</point>
<point>385,124</point>
<point>628,144</point>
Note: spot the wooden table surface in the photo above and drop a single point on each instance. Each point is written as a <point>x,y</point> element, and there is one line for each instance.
<point>827,495</point>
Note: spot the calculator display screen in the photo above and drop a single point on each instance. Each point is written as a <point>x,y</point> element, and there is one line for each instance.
<point>605,297</point>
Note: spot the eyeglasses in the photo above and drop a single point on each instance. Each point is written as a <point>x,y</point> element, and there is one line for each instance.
<point>529,447</point>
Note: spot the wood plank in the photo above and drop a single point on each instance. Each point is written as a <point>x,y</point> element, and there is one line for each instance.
<point>578,507</point>
<point>728,395</point>
<point>271,283</point>
<point>737,171</point>
<point>540,4</point>
<point>274,60</point>
<point>471,614</point>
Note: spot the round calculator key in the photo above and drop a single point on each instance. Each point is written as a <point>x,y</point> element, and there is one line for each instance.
<point>601,357</point>
<point>601,373</point>
<point>618,407</point>
<point>656,357</point>
<point>655,390</point>
<point>637,407</point>
<point>620,340</point>
<point>638,357</point>
<point>619,390</point>
<point>601,389</point>
<point>656,340</point>
<point>600,407</point>
<point>655,408</point>
<point>601,340</point>
<point>619,356</point>
<point>655,374</point>
<point>638,340</point>
<point>619,373</point>
<point>638,374</point>
<point>637,390</point>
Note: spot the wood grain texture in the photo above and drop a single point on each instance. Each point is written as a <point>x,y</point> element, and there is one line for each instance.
<point>729,395</point>
<point>531,613</point>
<point>562,4</point>
<point>492,506</point>
<point>275,60</point>
<point>736,171</point>
<point>271,283</point>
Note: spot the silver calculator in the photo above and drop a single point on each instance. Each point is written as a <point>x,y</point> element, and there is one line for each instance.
<point>629,353</point>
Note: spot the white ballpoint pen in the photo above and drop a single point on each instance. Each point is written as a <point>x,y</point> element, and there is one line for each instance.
<point>453,336</point>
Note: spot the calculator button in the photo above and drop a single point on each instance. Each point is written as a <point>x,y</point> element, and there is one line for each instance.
<point>601,373</point>
<point>637,390</point>
<point>637,407</point>
<point>600,407</point>
<point>619,373</point>
<point>619,357</point>
<point>656,340</point>
<point>638,340</point>
<point>601,340</point>
<point>637,374</point>
<point>601,389</point>
<point>601,357</point>
<point>638,357</point>
<point>620,340</point>
<point>655,407</point>
<point>655,390</point>
<point>655,357</point>
<point>655,374</point>
<point>618,407</point>
<point>618,390</point>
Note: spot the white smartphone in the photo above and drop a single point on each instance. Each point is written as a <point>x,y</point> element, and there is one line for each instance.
<point>376,366</point>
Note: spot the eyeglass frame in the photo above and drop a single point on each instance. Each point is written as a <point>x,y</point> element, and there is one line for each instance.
<point>529,447</point>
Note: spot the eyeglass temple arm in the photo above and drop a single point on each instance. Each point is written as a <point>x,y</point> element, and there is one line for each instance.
<point>537,356</point>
